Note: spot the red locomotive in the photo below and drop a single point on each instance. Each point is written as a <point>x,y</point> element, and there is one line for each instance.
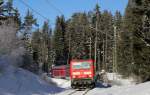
<point>82,73</point>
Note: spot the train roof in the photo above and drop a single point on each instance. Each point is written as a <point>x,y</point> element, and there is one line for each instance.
<point>82,60</point>
<point>60,67</point>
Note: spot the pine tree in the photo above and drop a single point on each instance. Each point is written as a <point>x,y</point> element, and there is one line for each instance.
<point>78,35</point>
<point>126,66</point>
<point>104,23</point>
<point>142,41</point>
<point>59,41</point>
<point>26,33</point>
<point>46,34</point>
<point>97,31</point>
<point>118,23</point>
<point>7,9</point>
<point>136,52</point>
<point>41,44</point>
<point>107,39</point>
<point>36,42</point>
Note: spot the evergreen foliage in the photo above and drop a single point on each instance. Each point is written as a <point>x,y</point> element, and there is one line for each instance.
<point>135,47</point>
<point>78,31</point>
<point>59,41</point>
<point>26,33</point>
<point>41,45</point>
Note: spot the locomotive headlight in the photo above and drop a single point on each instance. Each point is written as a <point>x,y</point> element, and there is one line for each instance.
<point>90,75</point>
<point>76,73</point>
<point>87,73</point>
<point>74,76</point>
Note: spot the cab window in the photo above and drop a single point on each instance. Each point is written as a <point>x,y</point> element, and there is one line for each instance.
<point>81,65</point>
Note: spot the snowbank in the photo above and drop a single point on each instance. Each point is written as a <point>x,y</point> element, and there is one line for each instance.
<point>15,81</point>
<point>141,89</point>
<point>126,87</point>
<point>63,83</point>
<point>116,79</point>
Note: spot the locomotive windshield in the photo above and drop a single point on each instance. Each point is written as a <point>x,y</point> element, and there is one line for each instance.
<point>81,65</point>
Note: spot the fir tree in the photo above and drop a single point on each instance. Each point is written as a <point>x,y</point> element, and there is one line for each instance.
<point>107,39</point>
<point>46,34</point>
<point>27,26</point>
<point>118,23</point>
<point>78,34</point>
<point>135,52</point>
<point>26,33</point>
<point>59,40</point>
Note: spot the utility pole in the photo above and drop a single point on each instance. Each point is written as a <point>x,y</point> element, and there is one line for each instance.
<point>89,42</point>
<point>90,54</point>
<point>96,42</point>
<point>106,43</point>
<point>115,51</point>
<point>103,66</point>
<point>99,59</point>
<point>69,48</point>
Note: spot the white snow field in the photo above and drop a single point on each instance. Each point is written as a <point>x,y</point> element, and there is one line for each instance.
<point>16,81</point>
<point>122,87</point>
<point>116,79</point>
<point>140,89</point>
<point>61,83</point>
<point>21,82</point>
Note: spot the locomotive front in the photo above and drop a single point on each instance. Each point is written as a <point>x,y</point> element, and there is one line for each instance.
<point>82,73</point>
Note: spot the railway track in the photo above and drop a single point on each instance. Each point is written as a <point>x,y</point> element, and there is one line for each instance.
<point>79,92</point>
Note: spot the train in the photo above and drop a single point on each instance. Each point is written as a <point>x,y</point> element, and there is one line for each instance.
<point>62,71</point>
<point>82,73</point>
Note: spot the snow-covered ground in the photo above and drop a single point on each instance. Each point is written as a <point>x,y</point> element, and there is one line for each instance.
<point>16,81</point>
<point>119,87</point>
<point>141,89</point>
<point>61,83</point>
<point>116,79</point>
<point>22,82</point>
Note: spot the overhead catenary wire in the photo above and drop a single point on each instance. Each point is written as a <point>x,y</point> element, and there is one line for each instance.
<point>54,7</point>
<point>33,10</point>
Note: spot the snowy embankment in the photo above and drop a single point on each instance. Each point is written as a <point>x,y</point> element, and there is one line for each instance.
<point>140,89</point>
<point>16,81</point>
<point>61,83</point>
<point>120,87</point>
<point>116,79</point>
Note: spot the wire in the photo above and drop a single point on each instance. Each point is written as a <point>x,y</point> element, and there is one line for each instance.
<point>58,10</point>
<point>33,9</point>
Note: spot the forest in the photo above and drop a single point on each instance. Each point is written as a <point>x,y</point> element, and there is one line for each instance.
<point>117,42</point>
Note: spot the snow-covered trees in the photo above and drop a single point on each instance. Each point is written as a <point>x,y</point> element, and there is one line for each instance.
<point>135,39</point>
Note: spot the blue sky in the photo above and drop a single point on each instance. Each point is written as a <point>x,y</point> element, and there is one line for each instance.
<point>67,7</point>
